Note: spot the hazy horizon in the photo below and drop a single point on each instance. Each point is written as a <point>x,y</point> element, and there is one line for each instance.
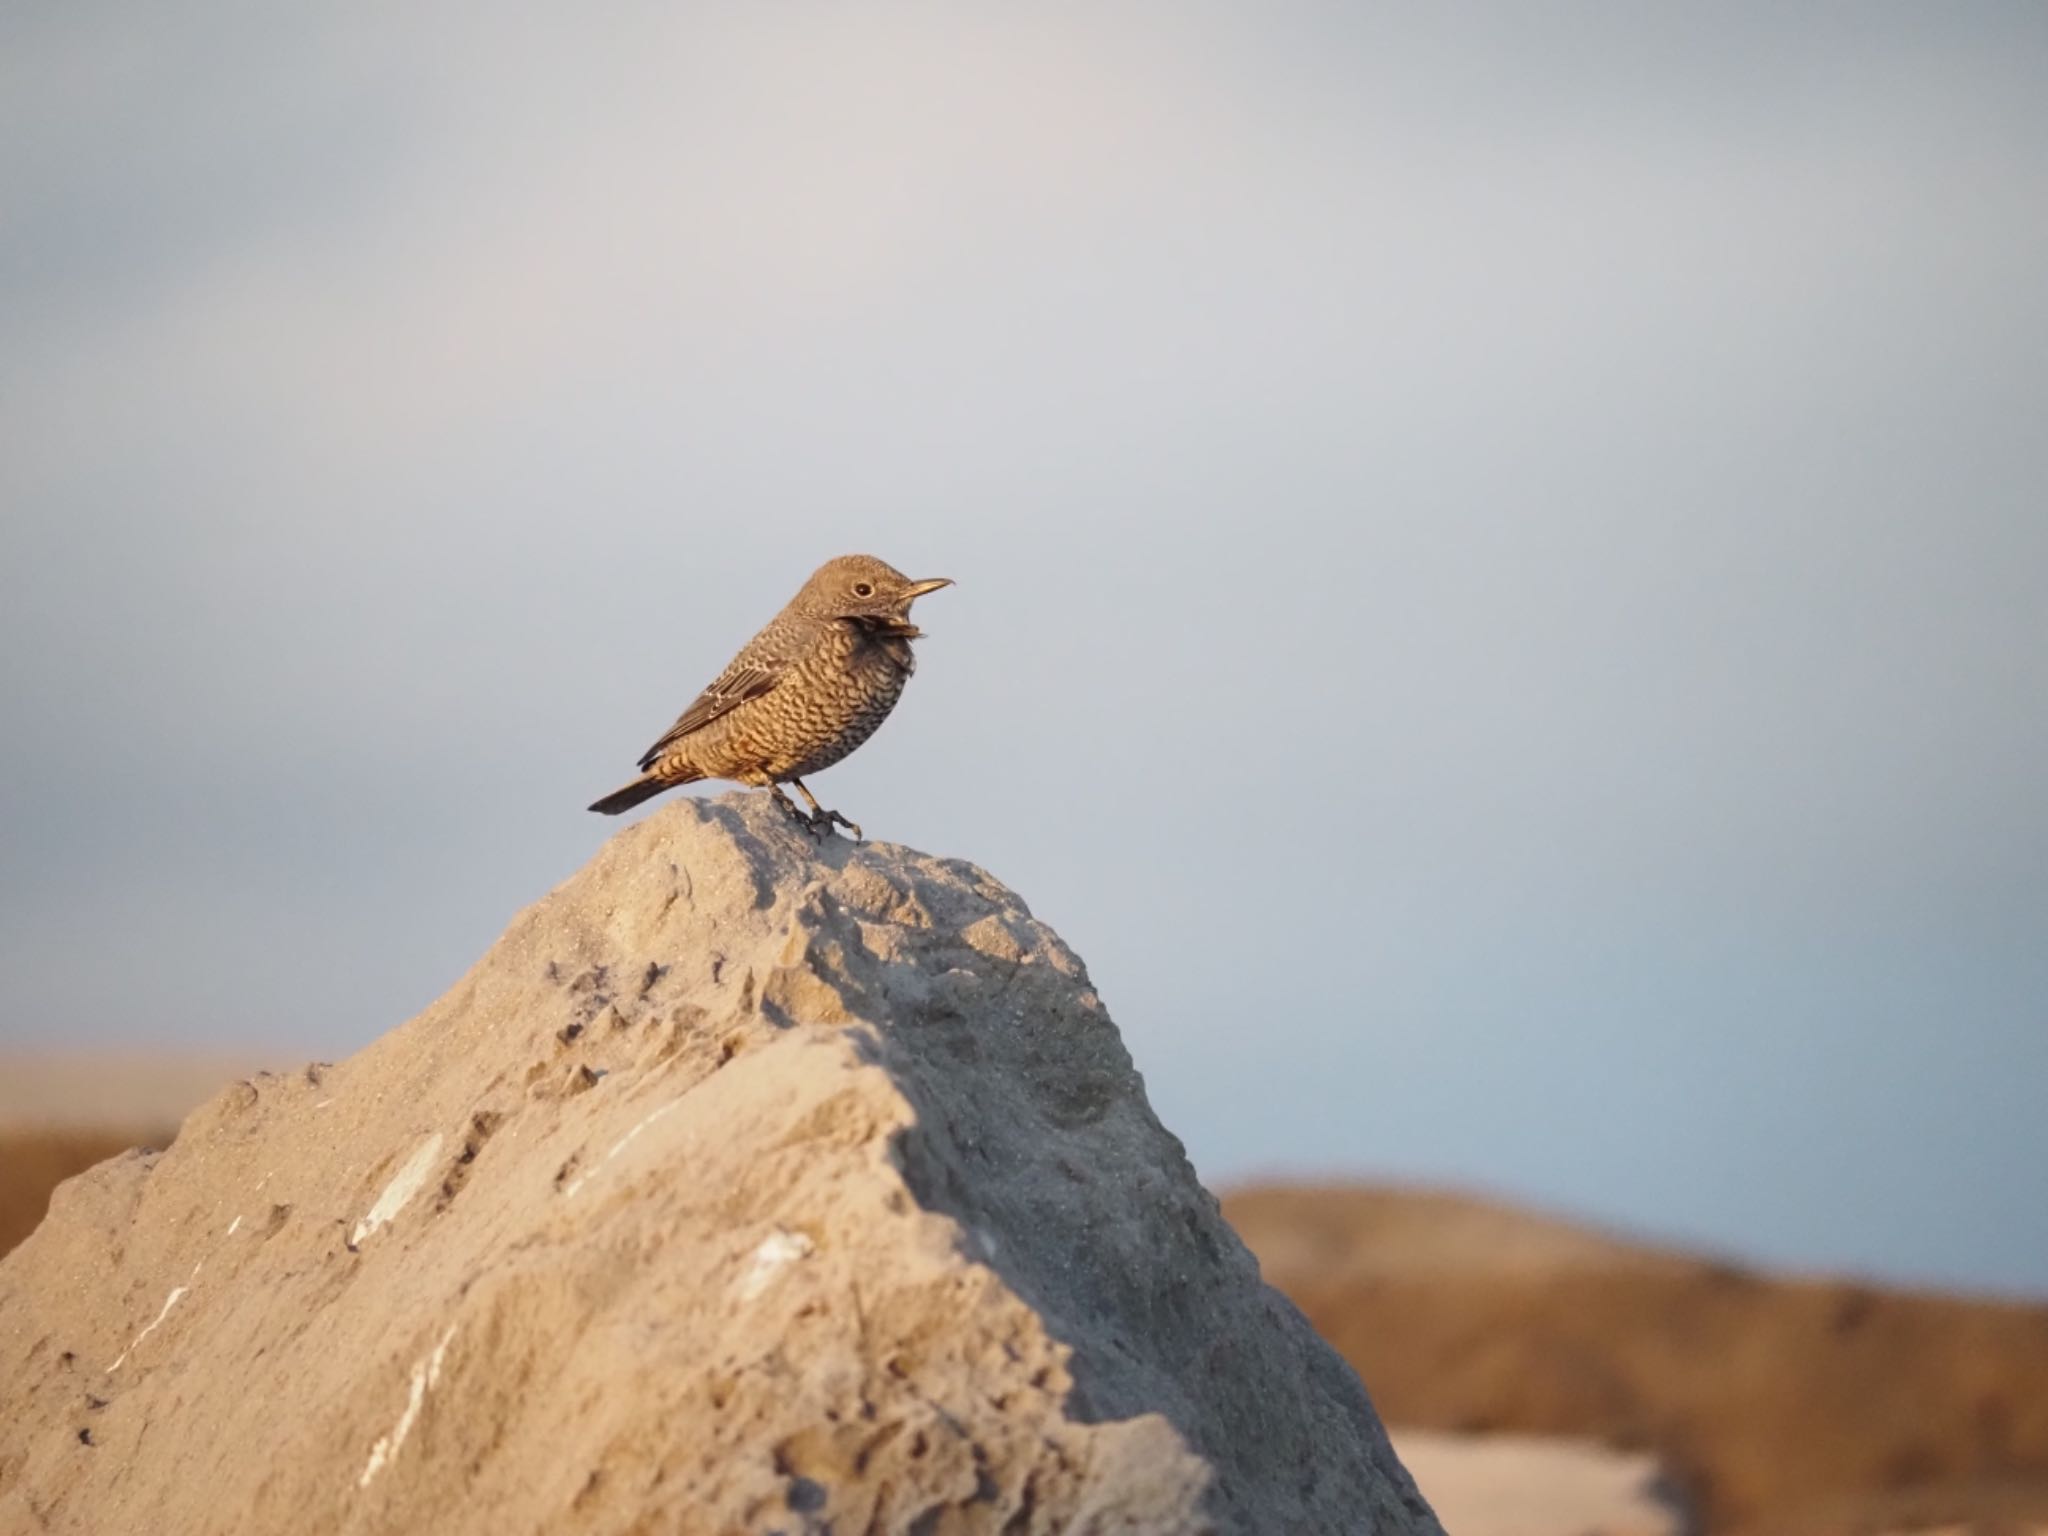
<point>1501,557</point>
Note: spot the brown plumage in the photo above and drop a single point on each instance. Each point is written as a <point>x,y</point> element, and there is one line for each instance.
<point>800,695</point>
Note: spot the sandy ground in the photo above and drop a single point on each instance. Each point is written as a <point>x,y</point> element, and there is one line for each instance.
<point>1517,1485</point>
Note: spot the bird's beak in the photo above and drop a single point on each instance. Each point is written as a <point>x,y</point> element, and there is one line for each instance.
<point>901,627</point>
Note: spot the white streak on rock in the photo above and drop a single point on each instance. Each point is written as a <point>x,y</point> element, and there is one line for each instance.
<point>178,1293</point>
<point>619,1146</point>
<point>426,1374</point>
<point>403,1186</point>
<point>234,1226</point>
<point>779,1249</point>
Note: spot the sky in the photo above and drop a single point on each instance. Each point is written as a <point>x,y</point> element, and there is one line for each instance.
<point>1500,554</point>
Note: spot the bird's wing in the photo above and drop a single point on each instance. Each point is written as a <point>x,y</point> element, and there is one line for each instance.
<point>750,676</point>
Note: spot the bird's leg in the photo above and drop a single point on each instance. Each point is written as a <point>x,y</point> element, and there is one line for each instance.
<point>789,808</point>
<point>822,820</point>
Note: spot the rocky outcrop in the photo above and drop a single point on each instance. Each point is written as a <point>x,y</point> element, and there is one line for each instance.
<point>747,1184</point>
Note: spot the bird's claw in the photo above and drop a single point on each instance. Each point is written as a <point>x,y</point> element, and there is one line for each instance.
<point>818,823</point>
<point>824,821</point>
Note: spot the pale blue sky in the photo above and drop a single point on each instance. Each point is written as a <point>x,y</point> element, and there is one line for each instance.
<point>1500,555</point>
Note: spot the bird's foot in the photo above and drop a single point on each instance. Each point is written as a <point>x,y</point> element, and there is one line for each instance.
<point>823,821</point>
<point>818,822</point>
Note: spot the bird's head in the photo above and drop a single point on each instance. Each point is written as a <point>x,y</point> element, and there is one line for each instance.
<point>868,592</point>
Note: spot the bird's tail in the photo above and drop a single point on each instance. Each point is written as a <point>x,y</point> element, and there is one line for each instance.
<point>646,787</point>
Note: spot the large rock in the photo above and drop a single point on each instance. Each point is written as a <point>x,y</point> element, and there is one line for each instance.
<point>746,1185</point>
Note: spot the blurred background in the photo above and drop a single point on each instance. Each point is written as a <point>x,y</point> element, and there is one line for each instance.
<point>1500,552</point>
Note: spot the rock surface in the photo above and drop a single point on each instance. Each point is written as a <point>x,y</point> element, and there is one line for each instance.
<point>747,1184</point>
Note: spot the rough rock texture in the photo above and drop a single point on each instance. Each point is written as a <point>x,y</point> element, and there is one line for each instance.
<point>746,1185</point>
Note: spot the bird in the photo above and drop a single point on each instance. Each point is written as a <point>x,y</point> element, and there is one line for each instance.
<point>813,685</point>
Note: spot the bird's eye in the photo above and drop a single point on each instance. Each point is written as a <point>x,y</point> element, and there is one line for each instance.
<point>863,589</point>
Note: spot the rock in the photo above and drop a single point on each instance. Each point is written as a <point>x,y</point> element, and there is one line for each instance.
<point>1535,1485</point>
<point>747,1184</point>
<point>32,1163</point>
<point>61,1112</point>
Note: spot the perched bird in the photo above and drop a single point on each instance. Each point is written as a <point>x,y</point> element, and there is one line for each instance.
<point>802,694</point>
